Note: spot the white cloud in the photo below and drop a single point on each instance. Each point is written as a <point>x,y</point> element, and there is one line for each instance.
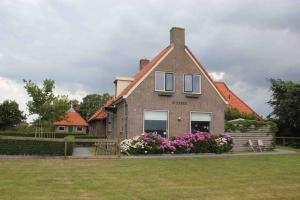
<point>217,76</point>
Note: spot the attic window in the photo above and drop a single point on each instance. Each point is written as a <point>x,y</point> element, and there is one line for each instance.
<point>192,83</point>
<point>164,81</point>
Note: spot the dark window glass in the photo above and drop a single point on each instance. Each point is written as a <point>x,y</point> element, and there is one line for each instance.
<point>201,126</point>
<point>188,83</point>
<point>79,128</point>
<point>158,126</point>
<point>61,128</point>
<point>169,81</point>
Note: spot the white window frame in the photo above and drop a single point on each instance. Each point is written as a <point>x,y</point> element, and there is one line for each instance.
<point>211,119</point>
<point>61,127</point>
<point>79,130</point>
<point>200,84</point>
<point>164,81</point>
<point>168,117</point>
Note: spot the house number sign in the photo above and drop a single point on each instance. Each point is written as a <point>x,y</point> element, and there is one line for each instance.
<point>179,102</point>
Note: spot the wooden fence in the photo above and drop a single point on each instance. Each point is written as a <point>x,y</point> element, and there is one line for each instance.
<point>241,140</point>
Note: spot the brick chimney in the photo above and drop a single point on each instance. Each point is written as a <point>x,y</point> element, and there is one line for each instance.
<point>177,37</point>
<point>143,63</point>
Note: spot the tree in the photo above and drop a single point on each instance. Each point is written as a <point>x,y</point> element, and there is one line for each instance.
<point>75,104</point>
<point>91,103</point>
<point>45,103</point>
<point>285,101</point>
<point>232,113</point>
<point>10,115</point>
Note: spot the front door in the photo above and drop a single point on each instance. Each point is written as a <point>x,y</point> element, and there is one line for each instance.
<point>70,129</point>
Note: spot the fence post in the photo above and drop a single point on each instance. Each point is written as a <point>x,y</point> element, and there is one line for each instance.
<point>66,147</point>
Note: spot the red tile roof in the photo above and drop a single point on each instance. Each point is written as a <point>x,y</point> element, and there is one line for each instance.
<point>101,113</point>
<point>145,70</point>
<point>233,100</point>
<point>72,119</point>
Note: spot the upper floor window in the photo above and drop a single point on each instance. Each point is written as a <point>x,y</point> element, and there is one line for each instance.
<point>192,83</point>
<point>164,81</point>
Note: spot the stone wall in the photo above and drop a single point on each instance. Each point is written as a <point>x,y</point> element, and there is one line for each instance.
<point>241,139</point>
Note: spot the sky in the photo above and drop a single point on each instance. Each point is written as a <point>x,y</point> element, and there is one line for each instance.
<point>83,45</point>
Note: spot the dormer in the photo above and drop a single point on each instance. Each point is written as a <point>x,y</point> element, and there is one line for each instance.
<point>121,83</point>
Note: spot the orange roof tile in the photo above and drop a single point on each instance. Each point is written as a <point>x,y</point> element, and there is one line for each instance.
<point>101,113</point>
<point>72,119</point>
<point>233,100</point>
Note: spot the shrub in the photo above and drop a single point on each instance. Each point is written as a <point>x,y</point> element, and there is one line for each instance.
<point>199,142</point>
<point>33,147</point>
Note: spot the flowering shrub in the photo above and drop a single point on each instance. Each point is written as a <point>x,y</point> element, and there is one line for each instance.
<point>200,142</point>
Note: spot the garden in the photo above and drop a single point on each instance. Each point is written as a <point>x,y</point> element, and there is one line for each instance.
<point>199,142</point>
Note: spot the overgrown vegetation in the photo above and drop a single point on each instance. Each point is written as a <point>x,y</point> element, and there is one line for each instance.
<point>247,125</point>
<point>232,113</point>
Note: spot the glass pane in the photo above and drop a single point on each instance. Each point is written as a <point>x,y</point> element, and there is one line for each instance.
<point>156,121</point>
<point>188,83</point>
<point>160,81</point>
<point>169,81</point>
<point>196,84</point>
<point>200,126</point>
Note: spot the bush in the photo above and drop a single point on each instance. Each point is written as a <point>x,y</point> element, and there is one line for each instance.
<point>33,147</point>
<point>190,143</point>
<point>232,113</point>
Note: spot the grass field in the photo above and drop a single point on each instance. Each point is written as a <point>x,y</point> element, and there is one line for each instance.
<point>232,178</point>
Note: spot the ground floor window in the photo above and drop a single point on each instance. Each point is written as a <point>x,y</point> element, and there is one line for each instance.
<point>200,122</point>
<point>156,121</point>
<point>61,128</point>
<point>79,129</point>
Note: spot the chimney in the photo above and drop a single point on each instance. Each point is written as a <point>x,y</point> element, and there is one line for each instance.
<point>120,84</point>
<point>143,63</point>
<point>177,36</point>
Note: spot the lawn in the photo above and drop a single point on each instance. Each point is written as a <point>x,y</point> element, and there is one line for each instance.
<point>244,177</point>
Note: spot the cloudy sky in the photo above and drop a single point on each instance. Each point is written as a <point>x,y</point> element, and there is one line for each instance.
<point>83,45</point>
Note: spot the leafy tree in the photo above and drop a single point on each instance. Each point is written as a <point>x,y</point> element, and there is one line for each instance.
<point>285,101</point>
<point>45,103</point>
<point>91,103</point>
<point>232,113</point>
<point>10,115</point>
<point>76,104</point>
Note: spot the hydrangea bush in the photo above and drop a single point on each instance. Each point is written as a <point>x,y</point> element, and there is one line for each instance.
<point>200,142</point>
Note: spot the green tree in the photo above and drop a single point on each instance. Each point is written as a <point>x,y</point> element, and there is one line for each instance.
<point>10,115</point>
<point>91,103</point>
<point>285,101</point>
<point>48,106</point>
<point>75,104</point>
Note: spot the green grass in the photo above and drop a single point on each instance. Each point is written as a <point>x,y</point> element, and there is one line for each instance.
<point>230,178</point>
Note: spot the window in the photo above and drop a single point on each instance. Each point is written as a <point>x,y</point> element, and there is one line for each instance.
<point>192,83</point>
<point>61,128</point>
<point>156,121</point>
<point>200,122</point>
<point>164,81</point>
<point>79,129</point>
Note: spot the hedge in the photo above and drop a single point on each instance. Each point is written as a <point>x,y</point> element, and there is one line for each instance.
<point>33,147</point>
<point>57,135</point>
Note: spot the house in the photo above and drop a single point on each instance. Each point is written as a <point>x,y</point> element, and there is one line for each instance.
<point>73,123</point>
<point>172,94</point>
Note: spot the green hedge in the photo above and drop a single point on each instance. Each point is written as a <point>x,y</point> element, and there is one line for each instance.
<point>57,135</point>
<point>246,125</point>
<point>29,147</point>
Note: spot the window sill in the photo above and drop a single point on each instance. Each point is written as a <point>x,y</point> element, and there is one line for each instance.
<point>192,95</point>
<point>161,93</point>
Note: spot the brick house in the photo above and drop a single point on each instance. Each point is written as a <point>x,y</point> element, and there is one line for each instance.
<point>172,94</point>
<point>73,123</point>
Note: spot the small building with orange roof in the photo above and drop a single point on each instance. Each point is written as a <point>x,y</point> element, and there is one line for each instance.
<point>73,123</point>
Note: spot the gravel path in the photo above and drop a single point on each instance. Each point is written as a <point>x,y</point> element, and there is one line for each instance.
<point>82,152</point>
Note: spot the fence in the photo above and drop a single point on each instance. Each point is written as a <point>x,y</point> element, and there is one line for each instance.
<point>241,140</point>
<point>293,141</point>
<point>11,145</point>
